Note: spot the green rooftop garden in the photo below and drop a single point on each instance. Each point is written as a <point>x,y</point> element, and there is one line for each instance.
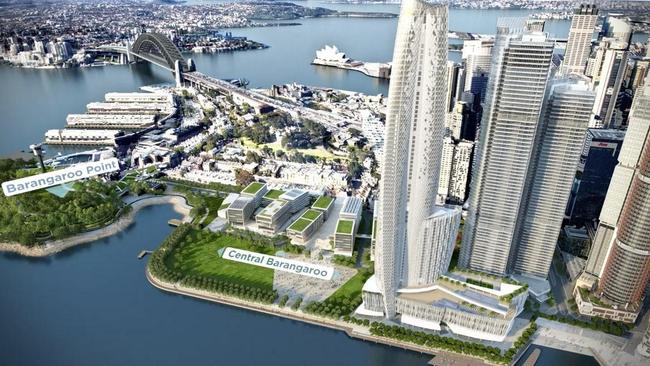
<point>323,202</point>
<point>311,215</point>
<point>300,224</point>
<point>344,226</point>
<point>274,194</point>
<point>253,188</point>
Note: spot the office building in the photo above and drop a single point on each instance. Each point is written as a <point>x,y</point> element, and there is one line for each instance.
<point>520,72</point>
<point>347,226</point>
<point>597,162</point>
<point>578,45</point>
<point>477,55</point>
<point>637,132</point>
<point>608,76</point>
<point>564,122</point>
<point>448,147</point>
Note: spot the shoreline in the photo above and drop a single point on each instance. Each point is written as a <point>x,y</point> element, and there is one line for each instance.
<point>351,330</point>
<point>54,246</point>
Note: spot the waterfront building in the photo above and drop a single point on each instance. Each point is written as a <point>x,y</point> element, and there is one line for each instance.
<point>347,225</point>
<point>509,130</point>
<point>82,137</point>
<point>564,121</point>
<point>578,45</point>
<point>129,108</point>
<point>415,122</point>
<point>111,121</point>
<point>608,76</point>
<point>138,97</point>
<point>597,162</point>
<point>242,208</point>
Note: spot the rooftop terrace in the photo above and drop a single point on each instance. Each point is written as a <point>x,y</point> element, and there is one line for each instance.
<point>305,220</point>
<point>344,226</point>
<point>323,202</point>
<point>253,188</point>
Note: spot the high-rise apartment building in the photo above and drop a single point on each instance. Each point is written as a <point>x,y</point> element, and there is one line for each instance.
<point>516,90</point>
<point>578,45</point>
<point>564,122</point>
<point>415,123</point>
<point>446,163</point>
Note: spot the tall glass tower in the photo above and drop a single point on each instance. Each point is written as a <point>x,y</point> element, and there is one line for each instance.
<point>516,90</point>
<point>415,123</point>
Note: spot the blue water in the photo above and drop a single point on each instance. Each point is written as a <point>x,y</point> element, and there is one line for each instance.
<point>92,305</point>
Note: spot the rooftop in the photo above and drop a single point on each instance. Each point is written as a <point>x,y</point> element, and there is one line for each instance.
<point>253,188</point>
<point>292,194</point>
<point>272,208</point>
<point>352,205</point>
<point>323,202</point>
<point>300,224</point>
<point>239,203</point>
<point>274,194</point>
<point>344,226</point>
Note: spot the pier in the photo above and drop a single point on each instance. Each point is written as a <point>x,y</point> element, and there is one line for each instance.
<point>174,222</point>
<point>144,254</point>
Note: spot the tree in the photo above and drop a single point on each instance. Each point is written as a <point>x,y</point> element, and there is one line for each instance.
<point>252,157</point>
<point>243,177</point>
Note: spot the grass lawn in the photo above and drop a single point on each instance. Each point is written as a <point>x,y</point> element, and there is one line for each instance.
<point>311,215</point>
<point>198,256</point>
<point>323,202</point>
<point>344,226</point>
<point>274,194</point>
<point>365,226</point>
<point>352,288</point>
<point>300,224</point>
<point>213,204</point>
<point>253,188</point>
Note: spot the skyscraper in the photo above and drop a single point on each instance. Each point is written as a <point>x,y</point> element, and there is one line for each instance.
<point>477,56</point>
<point>608,78</point>
<point>415,122</point>
<point>578,45</point>
<point>516,90</point>
<point>563,124</point>
<point>635,137</point>
<point>627,270</point>
<point>460,171</point>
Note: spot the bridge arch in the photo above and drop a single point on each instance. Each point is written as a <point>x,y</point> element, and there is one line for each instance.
<point>158,46</point>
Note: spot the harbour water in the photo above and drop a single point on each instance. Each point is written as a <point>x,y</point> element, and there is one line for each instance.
<point>92,304</point>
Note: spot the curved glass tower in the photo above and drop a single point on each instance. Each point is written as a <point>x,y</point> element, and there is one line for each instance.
<point>415,123</point>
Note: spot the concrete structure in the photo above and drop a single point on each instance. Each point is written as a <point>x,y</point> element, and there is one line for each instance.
<point>578,45</point>
<point>608,76</point>
<point>644,347</point>
<point>465,308</point>
<point>460,172</point>
<point>81,137</point>
<point>554,162</point>
<point>273,216</point>
<point>347,226</point>
<point>521,66</point>
<point>111,121</point>
<point>240,210</point>
<point>138,97</point>
<point>307,224</point>
<point>129,108</point>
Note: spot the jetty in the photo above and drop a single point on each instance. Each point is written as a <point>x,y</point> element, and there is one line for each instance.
<point>143,253</point>
<point>174,222</point>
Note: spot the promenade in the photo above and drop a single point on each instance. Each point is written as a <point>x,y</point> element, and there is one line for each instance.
<point>442,357</point>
